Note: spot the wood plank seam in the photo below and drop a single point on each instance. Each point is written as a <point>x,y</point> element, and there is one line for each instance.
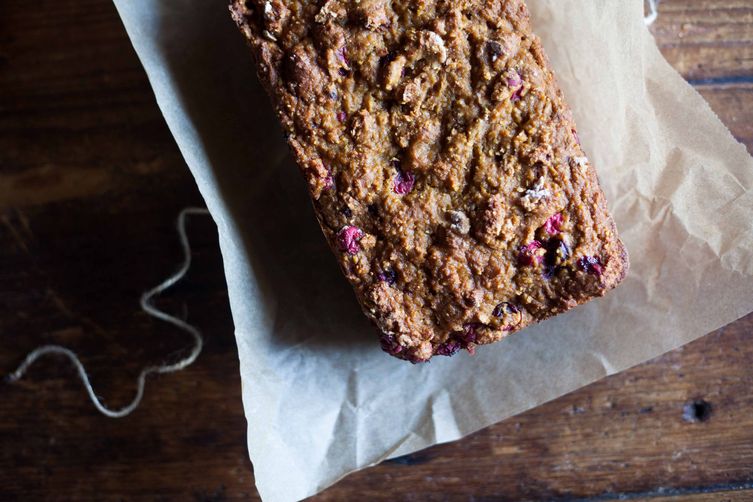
<point>719,81</point>
<point>739,486</point>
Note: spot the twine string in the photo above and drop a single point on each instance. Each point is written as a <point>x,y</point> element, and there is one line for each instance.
<point>150,309</point>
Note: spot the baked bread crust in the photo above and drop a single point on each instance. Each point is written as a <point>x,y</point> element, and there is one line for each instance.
<point>442,161</point>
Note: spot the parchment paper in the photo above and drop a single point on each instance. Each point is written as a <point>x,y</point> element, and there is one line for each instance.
<point>321,399</point>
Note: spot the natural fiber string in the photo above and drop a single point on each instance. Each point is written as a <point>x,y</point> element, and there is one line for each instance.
<point>146,305</point>
<point>653,12</point>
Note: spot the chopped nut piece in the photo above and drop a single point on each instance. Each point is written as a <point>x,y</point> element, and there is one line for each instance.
<point>459,222</point>
<point>433,44</point>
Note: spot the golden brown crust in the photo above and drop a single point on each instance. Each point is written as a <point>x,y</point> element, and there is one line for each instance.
<point>442,162</point>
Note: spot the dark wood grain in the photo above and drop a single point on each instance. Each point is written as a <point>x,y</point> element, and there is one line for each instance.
<point>90,183</point>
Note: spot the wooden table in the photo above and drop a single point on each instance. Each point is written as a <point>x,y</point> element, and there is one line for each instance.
<point>90,183</point>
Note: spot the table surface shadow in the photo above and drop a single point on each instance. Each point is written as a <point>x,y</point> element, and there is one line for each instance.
<point>90,184</point>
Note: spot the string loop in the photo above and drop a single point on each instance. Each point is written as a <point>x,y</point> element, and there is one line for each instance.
<point>146,306</point>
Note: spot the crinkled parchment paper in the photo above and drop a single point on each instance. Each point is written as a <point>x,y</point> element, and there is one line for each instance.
<point>321,398</point>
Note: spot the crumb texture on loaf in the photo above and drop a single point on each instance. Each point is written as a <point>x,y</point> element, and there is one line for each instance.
<point>442,161</point>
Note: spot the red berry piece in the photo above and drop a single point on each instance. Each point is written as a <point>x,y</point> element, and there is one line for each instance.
<point>329,182</point>
<point>510,312</point>
<point>448,348</point>
<point>531,254</point>
<point>403,183</point>
<point>348,239</point>
<point>389,276</point>
<point>591,265</point>
<point>514,81</point>
<point>389,344</point>
<point>342,55</point>
<point>469,333</point>
<point>554,224</point>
